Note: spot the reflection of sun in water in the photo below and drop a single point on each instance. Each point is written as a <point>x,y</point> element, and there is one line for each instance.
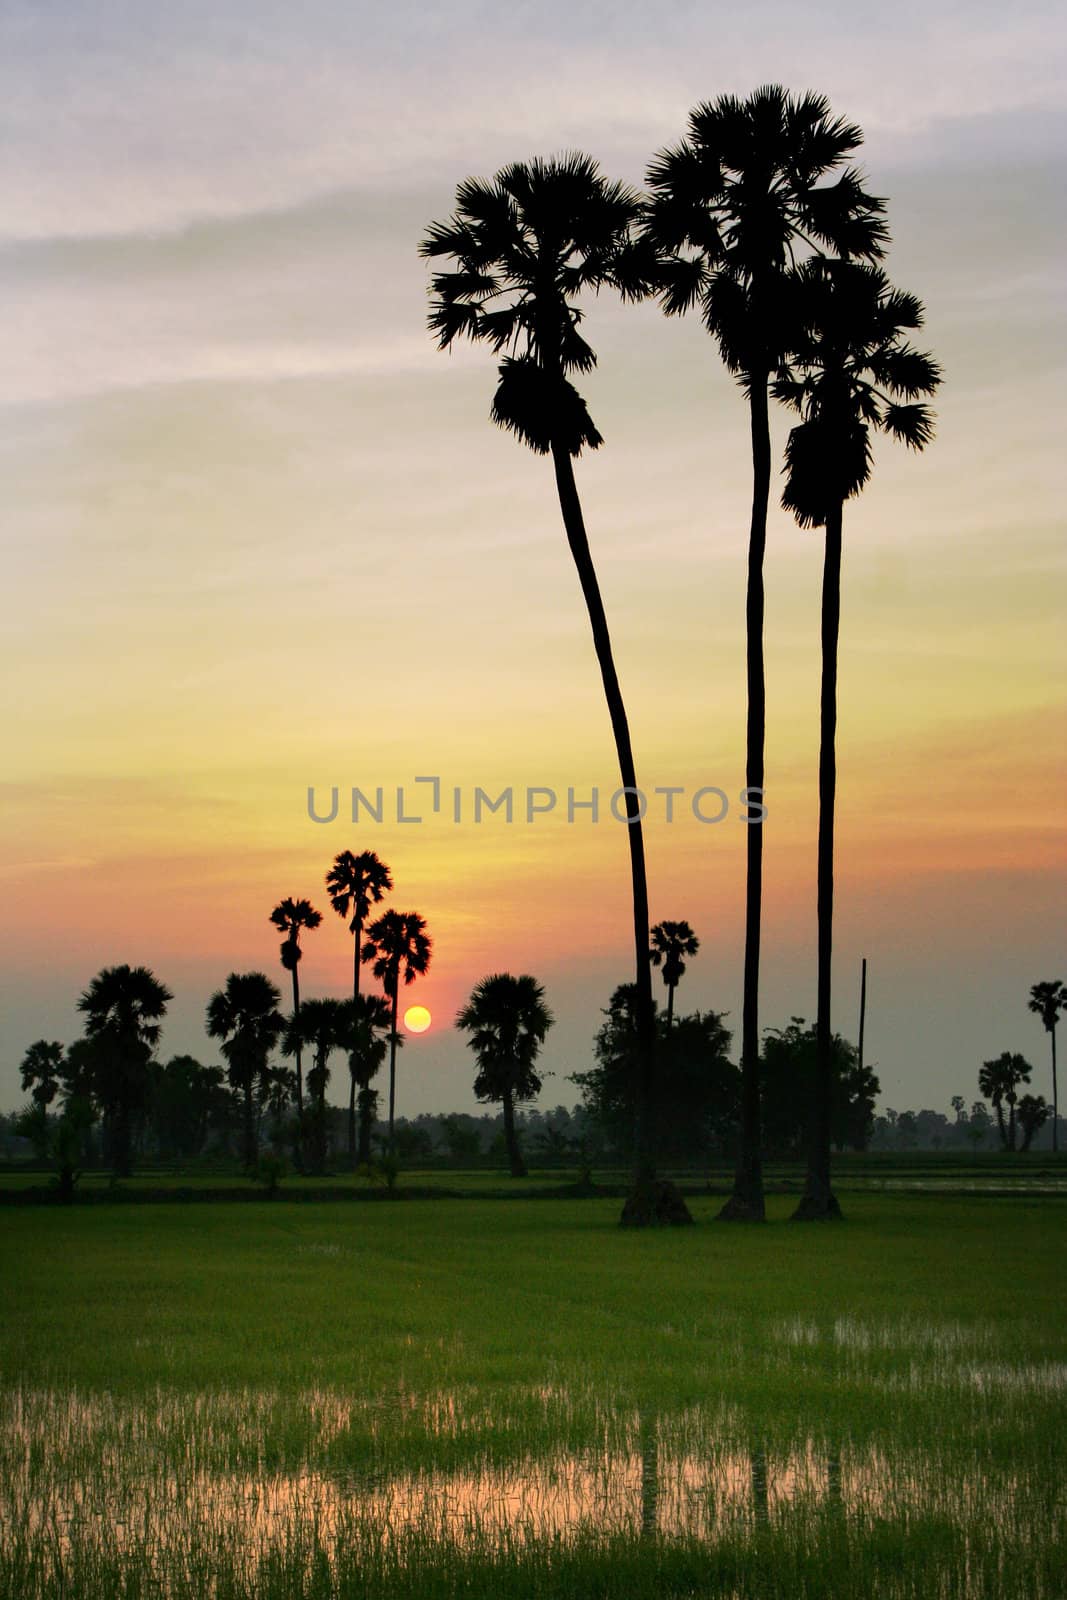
<point>416,1019</point>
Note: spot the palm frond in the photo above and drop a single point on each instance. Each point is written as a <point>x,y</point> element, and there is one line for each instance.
<point>541,410</point>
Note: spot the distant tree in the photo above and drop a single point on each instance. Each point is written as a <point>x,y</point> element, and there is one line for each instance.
<point>671,941</point>
<point>354,884</point>
<point>788,1076</point>
<point>978,1124</point>
<point>184,1095</point>
<point>400,949</point>
<point>42,1071</point>
<point>1049,999</point>
<point>246,1018</point>
<point>999,1081</point>
<point>290,917</point>
<point>319,1028</point>
<point>507,1020</point>
<point>697,1092</point>
<point>462,1139</point>
<point>123,1007</point>
<point>363,1034</point>
<point>1032,1113</point>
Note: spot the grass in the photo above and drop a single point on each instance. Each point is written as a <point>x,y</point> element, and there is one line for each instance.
<point>339,1400</point>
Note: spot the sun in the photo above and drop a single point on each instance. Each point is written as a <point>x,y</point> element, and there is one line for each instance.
<point>417,1019</point>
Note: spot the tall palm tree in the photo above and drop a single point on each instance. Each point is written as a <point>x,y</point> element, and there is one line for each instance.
<point>526,245</point>
<point>123,1007</point>
<point>42,1071</point>
<point>852,371</point>
<point>1048,999</point>
<point>289,917</point>
<point>507,1020</point>
<point>670,942</point>
<point>246,1018</point>
<point>999,1081</point>
<point>400,948</point>
<point>319,1028</point>
<point>731,208</point>
<point>354,884</point>
<point>363,1033</point>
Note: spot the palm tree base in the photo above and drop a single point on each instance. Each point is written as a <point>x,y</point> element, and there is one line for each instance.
<point>655,1203</point>
<point>818,1207</point>
<point>743,1208</point>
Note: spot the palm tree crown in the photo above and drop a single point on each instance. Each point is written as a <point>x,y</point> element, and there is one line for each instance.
<point>42,1072</point>
<point>507,1020</point>
<point>125,1004</point>
<point>527,244</point>
<point>400,947</point>
<point>289,917</point>
<point>355,883</point>
<point>851,371</point>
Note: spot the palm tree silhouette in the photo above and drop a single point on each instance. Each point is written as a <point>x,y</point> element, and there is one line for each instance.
<point>670,942</point>
<point>319,1027</point>
<point>355,883</point>
<point>42,1071</point>
<point>123,1007</point>
<point>246,1018</point>
<point>363,1033</point>
<point>999,1082</point>
<point>289,916</point>
<point>527,244</point>
<point>1048,999</point>
<point>507,1020</point>
<point>851,371</point>
<point>730,207</point>
<point>399,946</point>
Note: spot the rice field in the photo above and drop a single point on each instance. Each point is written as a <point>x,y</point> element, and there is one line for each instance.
<point>468,1398</point>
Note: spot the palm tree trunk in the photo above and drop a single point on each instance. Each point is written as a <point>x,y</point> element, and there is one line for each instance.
<point>1055,1096</point>
<point>392,1068</point>
<point>121,1140</point>
<point>299,1060</point>
<point>1011,1123</point>
<point>818,1202</point>
<point>746,1204</point>
<point>641,1206</point>
<point>364,1126</point>
<point>352,1094</point>
<point>670,1006</point>
<point>515,1161</point>
<point>250,1135</point>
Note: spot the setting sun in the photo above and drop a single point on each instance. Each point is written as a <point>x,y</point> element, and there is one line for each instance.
<point>417,1019</point>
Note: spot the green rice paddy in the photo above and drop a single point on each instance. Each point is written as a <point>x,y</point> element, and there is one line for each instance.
<point>464,1397</point>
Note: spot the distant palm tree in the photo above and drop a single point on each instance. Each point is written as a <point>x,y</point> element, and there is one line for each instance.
<point>319,1027</point>
<point>1048,999</point>
<point>123,1007</point>
<point>999,1081</point>
<point>246,1018</point>
<point>526,245</point>
<point>42,1071</point>
<point>354,884</point>
<point>670,942</point>
<point>731,206</point>
<point>400,947</point>
<point>507,1020</point>
<point>289,916</point>
<point>364,1029</point>
<point>851,372</point>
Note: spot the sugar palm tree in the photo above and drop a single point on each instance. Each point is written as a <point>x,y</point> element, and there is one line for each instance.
<point>246,1018</point>
<point>852,373</point>
<point>354,884</point>
<point>363,1033</point>
<point>670,942</point>
<point>42,1071</point>
<point>289,917</point>
<point>400,948</point>
<point>507,1020</point>
<point>526,245</point>
<point>999,1081</point>
<point>1048,1000</point>
<point>731,208</point>
<point>320,1028</point>
<point>123,1008</point>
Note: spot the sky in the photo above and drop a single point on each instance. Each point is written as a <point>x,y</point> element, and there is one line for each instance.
<point>260,536</point>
